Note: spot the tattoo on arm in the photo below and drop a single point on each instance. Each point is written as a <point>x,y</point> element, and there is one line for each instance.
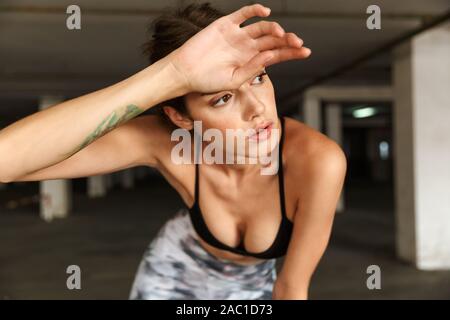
<point>114,119</point>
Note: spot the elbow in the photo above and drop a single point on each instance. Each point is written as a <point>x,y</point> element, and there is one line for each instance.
<point>7,173</point>
<point>4,177</point>
<point>5,180</point>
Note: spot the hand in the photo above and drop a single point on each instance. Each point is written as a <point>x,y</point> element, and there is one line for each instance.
<point>283,291</point>
<point>224,55</point>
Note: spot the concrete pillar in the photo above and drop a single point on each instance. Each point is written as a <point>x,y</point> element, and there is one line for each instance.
<point>56,200</point>
<point>96,186</point>
<point>421,80</point>
<point>312,115</point>
<point>127,178</point>
<point>333,119</point>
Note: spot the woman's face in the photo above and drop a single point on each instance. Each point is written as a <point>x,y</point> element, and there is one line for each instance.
<point>250,106</point>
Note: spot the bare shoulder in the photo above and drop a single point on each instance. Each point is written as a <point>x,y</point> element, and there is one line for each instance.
<point>156,133</point>
<point>309,152</point>
<point>153,136</point>
<point>151,124</point>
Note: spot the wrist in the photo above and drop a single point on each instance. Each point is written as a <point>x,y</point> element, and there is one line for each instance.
<point>156,83</point>
<point>283,291</point>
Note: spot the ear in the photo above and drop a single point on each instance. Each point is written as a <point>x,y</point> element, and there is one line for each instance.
<point>179,119</point>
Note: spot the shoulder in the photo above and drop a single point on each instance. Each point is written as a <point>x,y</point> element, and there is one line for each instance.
<point>311,155</point>
<point>151,134</point>
<point>149,123</point>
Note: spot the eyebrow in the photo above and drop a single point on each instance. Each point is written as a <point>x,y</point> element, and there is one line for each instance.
<point>210,94</point>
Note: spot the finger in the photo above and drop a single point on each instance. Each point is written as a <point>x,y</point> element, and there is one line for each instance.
<point>247,12</point>
<point>261,28</point>
<point>285,54</point>
<point>251,68</point>
<point>294,40</point>
<point>270,42</point>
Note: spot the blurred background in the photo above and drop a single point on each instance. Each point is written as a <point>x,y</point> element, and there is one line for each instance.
<point>382,94</point>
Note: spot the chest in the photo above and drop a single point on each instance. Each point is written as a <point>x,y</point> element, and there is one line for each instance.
<point>246,210</point>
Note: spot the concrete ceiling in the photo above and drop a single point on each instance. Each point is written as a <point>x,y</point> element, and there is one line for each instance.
<point>38,54</point>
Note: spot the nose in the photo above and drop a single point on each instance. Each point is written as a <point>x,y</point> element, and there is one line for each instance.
<point>253,107</point>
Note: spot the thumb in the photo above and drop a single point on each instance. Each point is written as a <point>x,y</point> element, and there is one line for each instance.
<point>251,68</point>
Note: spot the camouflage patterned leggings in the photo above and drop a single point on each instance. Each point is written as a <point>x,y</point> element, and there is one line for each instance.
<point>175,266</point>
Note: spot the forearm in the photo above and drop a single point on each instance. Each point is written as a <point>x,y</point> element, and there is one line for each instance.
<point>54,134</point>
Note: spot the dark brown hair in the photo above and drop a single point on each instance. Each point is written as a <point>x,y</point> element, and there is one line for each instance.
<point>171,30</point>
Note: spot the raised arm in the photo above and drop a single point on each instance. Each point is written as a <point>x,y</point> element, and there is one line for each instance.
<point>234,54</point>
<point>54,134</point>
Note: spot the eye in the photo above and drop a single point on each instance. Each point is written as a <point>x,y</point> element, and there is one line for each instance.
<point>260,78</point>
<point>224,98</point>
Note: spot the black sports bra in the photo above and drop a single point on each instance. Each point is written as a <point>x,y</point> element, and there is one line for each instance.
<point>281,242</point>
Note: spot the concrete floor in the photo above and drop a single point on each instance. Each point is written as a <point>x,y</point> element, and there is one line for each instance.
<point>106,238</point>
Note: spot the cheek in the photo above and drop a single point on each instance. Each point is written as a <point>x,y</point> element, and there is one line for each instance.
<point>209,120</point>
<point>224,124</point>
<point>270,99</point>
<point>270,92</point>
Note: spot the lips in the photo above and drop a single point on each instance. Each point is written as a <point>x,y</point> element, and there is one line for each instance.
<point>263,131</point>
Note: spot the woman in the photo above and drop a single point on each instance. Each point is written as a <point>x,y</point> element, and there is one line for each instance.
<point>204,67</point>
